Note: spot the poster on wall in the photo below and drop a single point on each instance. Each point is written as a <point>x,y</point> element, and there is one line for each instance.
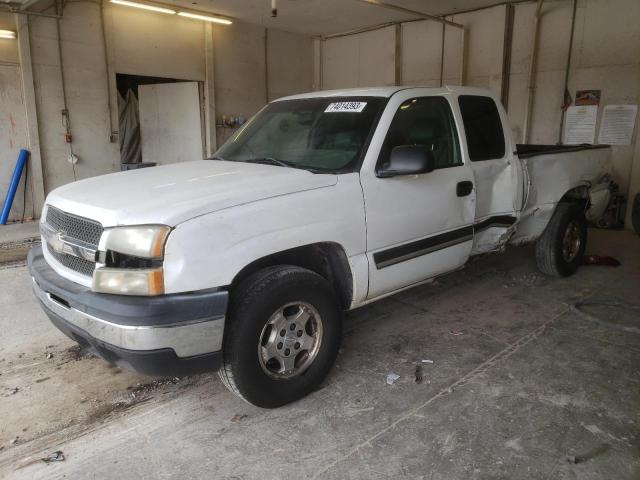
<point>618,122</point>
<point>587,97</point>
<point>580,124</point>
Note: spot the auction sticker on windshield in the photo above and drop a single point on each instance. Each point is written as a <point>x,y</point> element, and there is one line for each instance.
<point>336,107</point>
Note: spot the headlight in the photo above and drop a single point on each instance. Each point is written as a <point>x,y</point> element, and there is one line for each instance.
<point>122,281</point>
<point>132,260</point>
<point>145,241</point>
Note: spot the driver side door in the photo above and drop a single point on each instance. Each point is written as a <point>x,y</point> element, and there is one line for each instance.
<point>418,226</point>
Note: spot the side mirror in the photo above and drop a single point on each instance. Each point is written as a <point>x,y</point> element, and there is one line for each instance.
<point>407,160</point>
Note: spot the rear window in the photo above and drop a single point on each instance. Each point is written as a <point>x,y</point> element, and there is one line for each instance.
<point>483,127</point>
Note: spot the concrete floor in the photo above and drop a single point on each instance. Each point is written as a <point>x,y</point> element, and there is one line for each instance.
<point>519,386</point>
<point>16,240</point>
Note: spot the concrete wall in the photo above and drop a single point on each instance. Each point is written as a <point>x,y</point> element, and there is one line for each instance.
<point>85,76</point>
<point>8,48</point>
<point>606,56</point>
<point>139,43</point>
<point>363,60</point>
<point>239,72</point>
<point>290,63</point>
<point>13,134</point>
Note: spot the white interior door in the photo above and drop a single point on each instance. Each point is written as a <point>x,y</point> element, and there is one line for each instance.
<point>170,128</point>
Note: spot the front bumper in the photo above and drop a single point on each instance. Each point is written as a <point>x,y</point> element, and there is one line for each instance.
<point>166,335</point>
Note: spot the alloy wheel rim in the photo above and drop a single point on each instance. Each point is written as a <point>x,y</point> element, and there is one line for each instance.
<point>290,340</point>
<point>571,241</point>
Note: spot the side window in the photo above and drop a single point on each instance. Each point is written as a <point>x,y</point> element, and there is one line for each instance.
<point>483,127</point>
<point>424,121</point>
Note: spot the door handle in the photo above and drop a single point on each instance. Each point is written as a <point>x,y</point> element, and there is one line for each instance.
<point>464,188</point>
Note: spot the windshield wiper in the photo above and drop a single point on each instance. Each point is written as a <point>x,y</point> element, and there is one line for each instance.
<point>279,163</point>
<point>271,161</point>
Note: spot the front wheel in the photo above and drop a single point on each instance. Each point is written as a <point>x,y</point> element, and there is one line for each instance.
<point>560,249</point>
<point>283,335</point>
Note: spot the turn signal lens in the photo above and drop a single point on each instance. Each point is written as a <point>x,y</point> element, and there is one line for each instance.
<point>147,282</point>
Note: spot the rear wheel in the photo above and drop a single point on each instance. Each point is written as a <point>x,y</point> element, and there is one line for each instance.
<point>282,337</point>
<point>560,249</point>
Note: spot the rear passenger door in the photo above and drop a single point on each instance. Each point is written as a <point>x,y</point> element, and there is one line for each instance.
<point>418,226</point>
<point>495,170</point>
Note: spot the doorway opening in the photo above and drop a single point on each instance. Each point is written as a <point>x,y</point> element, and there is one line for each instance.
<point>160,120</point>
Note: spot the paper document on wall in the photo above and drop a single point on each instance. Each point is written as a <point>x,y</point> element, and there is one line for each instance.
<point>580,124</point>
<point>618,122</point>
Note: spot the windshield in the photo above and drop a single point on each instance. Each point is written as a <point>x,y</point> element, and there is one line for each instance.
<point>323,134</point>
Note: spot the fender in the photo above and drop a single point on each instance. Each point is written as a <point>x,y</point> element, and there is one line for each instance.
<point>209,251</point>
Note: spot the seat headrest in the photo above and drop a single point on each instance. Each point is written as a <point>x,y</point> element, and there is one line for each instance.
<point>424,131</point>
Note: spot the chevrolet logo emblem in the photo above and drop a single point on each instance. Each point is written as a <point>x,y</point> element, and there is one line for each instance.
<point>60,243</point>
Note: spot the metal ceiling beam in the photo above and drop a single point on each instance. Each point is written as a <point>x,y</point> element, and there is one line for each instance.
<point>11,9</point>
<point>423,15</point>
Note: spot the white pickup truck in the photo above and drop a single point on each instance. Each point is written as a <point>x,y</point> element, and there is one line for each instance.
<point>322,203</point>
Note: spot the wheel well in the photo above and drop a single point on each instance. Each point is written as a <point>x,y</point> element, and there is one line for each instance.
<point>326,259</point>
<point>579,195</point>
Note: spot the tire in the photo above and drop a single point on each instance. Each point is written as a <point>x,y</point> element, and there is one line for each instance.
<point>555,255</point>
<point>256,309</point>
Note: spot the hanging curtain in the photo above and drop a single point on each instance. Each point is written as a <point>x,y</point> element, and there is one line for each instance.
<point>128,114</point>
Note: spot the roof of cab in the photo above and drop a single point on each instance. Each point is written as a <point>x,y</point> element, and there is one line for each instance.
<point>382,91</point>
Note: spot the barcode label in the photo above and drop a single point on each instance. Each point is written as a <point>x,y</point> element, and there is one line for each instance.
<point>355,107</point>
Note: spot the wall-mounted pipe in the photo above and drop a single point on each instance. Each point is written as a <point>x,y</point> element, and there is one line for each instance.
<point>321,65</point>
<point>356,31</point>
<point>266,64</point>
<point>422,15</point>
<point>398,55</point>
<point>463,57</point>
<point>506,54</point>
<point>13,186</point>
<point>112,133</point>
<point>65,111</point>
<point>567,68</point>
<point>532,73</point>
<point>444,31</point>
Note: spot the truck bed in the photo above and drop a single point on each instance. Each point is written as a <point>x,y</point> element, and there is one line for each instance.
<point>553,170</point>
<point>529,150</point>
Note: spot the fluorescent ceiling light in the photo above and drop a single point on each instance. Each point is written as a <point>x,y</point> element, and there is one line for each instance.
<point>206,18</point>
<point>144,6</point>
<point>8,34</point>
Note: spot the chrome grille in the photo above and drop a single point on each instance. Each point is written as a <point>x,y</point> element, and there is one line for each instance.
<point>79,228</point>
<point>77,264</point>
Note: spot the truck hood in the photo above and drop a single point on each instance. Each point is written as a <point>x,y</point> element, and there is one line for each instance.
<point>172,194</point>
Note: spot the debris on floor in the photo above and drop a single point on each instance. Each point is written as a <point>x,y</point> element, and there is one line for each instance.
<point>419,374</point>
<point>11,391</point>
<point>237,418</point>
<point>77,353</point>
<point>146,388</point>
<point>56,456</point>
<point>427,361</point>
<point>456,333</point>
<point>392,377</point>
<point>15,440</point>
<point>600,261</point>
